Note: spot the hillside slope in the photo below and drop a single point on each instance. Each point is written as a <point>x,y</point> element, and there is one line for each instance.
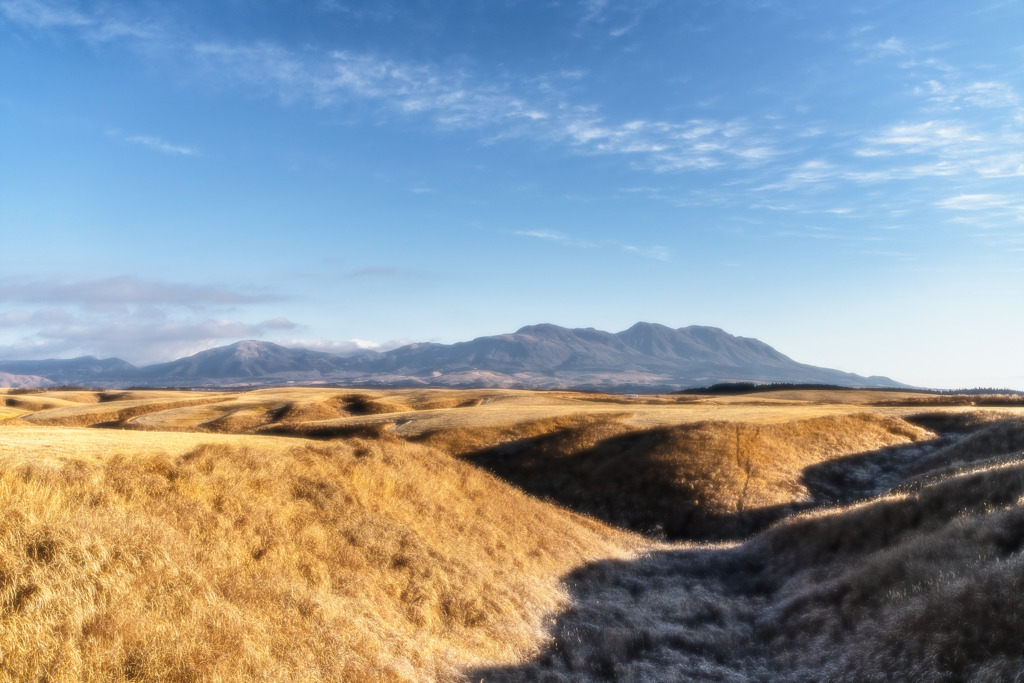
<point>138,544</point>
<point>920,583</point>
<point>144,556</point>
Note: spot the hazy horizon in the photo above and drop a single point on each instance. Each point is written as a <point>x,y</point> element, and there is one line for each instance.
<point>840,182</point>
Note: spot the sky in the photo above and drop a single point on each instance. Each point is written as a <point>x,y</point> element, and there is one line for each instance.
<point>844,181</point>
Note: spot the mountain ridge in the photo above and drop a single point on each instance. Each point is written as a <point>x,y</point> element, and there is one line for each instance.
<point>645,357</point>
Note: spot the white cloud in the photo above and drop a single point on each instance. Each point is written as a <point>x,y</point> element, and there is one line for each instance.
<point>342,347</point>
<point>161,145</point>
<point>954,147</point>
<point>387,272</point>
<point>657,252</point>
<point>593,9</point>
<point>137,341</point>
<point>954,94</point>
<point>23,318</point>
<point>617,17</point>
<point>101,26</point>
<point>504,108</point>
<point>891,46</point>
<point>1007,165</point>
<point>991,94</point>
<point>137,319</point>
<point>552,236</point>
<point>134,318</point>
<point>42,15</point>
<point>813,172</point>
<point>449,99</point>
<point>121,291</point>
<point>980,202</point>
<point>994,219</point>
<point>923,137</point>
<point>279,323</point>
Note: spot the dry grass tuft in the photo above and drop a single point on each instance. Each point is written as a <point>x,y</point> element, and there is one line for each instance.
<point>916,586</point>
<point>378,560</point>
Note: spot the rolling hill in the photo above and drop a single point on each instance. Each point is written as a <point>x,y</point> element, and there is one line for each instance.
<point>327,534</point>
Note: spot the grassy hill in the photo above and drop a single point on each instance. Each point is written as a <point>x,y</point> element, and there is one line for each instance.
<point>326,534</point>
<point>920,583</point>
<point>183,558</point>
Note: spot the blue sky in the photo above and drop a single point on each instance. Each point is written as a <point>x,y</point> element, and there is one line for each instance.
<point>844,181</point>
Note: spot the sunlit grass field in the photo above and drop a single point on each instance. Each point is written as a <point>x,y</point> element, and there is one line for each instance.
<point>333,534</point>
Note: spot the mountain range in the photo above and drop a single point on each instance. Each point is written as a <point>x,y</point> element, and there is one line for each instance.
<point>646,357</point>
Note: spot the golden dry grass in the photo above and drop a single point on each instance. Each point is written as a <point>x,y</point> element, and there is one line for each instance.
<point>697,480</point>
<point>412,413</point>
<point>188,543</point>
<point>917,584</point>
<point>8,413</point>
<point>118,409</point>
<point>36,402</point>
<point>278,559</point>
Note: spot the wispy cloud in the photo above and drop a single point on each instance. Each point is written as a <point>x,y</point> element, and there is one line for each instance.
<point>972,202</point>
<point>701,144</point>
<point>160,145</point>
<point>386,272</point>
<point>919,138</point>
<point>890,46</point>
<point>120,291</point>
<point>101,26</point>
<point>617,17</point>
<point>342,347</point>
<point>500,108</point>
<point>21,318</point>
<point>767,155</point>
<point>994,219</point>
<point>558,238</point>
<point>138,319</point>
<point>657,252</point>
<point>955,148</point>
<point>459,100</point>
<point>956,95</point>
<point>975,127</point>
<point>983,202</point>
<point>808,173</point>
<point>451,99</point>
<point>135,340</point>
<point>909,151</point>
<point>43,15</point>
<point>593,9</point>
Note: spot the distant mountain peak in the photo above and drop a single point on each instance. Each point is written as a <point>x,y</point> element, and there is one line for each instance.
<point>543,330</point>
<point>648,327</point>
<point>252,348</point>
<point>645,357</point>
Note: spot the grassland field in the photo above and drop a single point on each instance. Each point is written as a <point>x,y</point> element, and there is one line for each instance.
<point>464,535</point>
